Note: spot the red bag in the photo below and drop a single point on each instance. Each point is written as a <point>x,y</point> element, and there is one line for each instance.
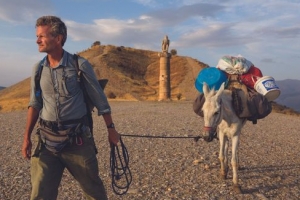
<point>250,78</point>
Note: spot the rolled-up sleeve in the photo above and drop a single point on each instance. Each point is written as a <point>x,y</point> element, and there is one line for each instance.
<point>93,88</point>
<point>34,101</point>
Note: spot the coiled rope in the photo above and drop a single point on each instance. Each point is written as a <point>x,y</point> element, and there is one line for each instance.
<point>120,173</point>
<point>119,163</point>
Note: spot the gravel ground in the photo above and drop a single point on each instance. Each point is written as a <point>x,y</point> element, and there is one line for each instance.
<point>171,168</point>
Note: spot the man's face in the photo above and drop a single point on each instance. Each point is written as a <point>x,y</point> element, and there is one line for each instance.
<point>46,42</point>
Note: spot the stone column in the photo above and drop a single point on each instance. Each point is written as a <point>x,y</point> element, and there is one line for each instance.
<point>164,77</point>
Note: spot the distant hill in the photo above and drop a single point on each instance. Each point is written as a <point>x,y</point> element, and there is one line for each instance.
<point>133,74</point>
<point>290,93</point>
<point>1,87</point>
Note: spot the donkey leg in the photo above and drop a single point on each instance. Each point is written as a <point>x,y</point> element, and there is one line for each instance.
<point>226,155</point>
<point>235,164</point>
<point>223,156</point>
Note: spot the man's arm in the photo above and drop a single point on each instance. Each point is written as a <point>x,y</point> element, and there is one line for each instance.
<point>32,117</point>
<point>113,135</point>
<point>99,99</point>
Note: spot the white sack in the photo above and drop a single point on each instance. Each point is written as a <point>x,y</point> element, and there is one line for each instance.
<point>234,64</point>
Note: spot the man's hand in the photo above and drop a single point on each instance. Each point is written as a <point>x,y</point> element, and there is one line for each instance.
<point>113,136</point>
<point>26,148</point>
<point>32,117</point>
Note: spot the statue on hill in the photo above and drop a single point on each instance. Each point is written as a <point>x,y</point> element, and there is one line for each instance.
<point>165,44</point>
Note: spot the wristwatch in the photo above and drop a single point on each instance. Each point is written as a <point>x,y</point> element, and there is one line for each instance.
<point>112,125</point>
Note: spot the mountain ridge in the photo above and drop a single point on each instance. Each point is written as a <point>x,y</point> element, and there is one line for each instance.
<point>133,75</point>
<point>290,94</point>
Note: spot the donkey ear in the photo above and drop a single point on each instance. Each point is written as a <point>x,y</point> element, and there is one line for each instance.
<point>222,86</point>
<point>221,89</point>
<point>205,89</point>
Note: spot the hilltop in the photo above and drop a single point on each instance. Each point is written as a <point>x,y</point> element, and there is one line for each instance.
<point>133,75</point>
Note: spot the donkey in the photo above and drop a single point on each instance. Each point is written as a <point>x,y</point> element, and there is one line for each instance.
<point>219,115</point>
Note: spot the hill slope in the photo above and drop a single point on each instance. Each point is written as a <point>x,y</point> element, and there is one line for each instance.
<point>133,74</point>
<point>290,93</point>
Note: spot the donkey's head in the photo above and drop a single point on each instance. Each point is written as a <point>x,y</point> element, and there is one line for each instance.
<point>211,111</point>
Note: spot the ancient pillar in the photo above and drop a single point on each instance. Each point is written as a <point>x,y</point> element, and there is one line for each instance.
<point>164,72</point>
<point>164,78</point>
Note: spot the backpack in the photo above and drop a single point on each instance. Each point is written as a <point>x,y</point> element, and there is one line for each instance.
<point>198,104</point>
<point>89,105</point>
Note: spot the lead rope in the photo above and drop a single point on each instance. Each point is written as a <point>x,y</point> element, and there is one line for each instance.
<point>119,165</point>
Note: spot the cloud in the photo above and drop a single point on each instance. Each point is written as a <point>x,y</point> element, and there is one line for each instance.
<point>174,16</point>
<point>15,11</point>
<point>267,60</point>
<point>215,35</point>
<point>135,32</point>
<point>118,32</point>
<point>150,3</point>
<point>266,31</point>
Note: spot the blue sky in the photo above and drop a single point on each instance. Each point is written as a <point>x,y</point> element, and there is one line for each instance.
<point>265,32</point>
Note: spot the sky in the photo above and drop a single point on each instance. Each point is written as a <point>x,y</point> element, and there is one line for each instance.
<point>267,32</point>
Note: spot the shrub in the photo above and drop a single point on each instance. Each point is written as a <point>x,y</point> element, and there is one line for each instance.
<point>96,43</point>
<point>111,95</point>
<point>179,96</point>
<point>173,52</point>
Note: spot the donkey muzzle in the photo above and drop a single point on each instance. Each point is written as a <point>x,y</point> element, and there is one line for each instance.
<point>209,134</point>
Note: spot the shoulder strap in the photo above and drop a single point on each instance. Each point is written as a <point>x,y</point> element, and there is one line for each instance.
<point>80,77</point>
<point>37,78</point>
<point>75,56</point>
<point>85,95</point>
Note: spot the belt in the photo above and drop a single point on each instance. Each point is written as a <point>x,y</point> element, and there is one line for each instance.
<point>54,126</point>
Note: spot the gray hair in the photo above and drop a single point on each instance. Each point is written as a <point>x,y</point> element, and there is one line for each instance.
<point>58,27</point>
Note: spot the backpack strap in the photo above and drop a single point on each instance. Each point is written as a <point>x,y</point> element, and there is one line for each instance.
<point>75,56</point>
<point>37,78</point>
<point>86,98</point>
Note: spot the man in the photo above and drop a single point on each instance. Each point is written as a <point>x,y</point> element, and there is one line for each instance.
<point>61,109</point>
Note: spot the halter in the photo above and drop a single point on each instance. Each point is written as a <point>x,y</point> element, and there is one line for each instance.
<point>218,121</point>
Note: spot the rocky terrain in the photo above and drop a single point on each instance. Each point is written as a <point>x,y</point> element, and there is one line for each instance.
<point>171,168</point>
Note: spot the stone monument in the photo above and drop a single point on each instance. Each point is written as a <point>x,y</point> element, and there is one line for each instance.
<point>164,73</point>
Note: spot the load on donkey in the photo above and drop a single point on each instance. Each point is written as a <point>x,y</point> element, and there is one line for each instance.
<point>251,91</point>
<point>230,94</point>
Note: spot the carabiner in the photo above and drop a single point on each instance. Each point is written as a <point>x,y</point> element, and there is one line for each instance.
<point>79,140</point>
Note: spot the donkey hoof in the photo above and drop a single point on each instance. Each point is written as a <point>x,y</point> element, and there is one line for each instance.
<point>237,189</point>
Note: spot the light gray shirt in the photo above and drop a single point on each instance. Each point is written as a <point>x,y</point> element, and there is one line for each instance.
<point>62,98</point>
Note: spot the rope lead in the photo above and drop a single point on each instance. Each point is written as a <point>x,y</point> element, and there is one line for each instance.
<point>196,138</point>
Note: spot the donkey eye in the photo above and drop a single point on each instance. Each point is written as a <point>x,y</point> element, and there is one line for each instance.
<point>216,113</point>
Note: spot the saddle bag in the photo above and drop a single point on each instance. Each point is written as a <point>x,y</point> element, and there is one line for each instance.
<point>55,141</point>
<point>254,107</point>
<point>198,104</point>
<point>259,106</point>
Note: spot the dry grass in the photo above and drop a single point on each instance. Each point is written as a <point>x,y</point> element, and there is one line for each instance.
<point>133,75</point>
